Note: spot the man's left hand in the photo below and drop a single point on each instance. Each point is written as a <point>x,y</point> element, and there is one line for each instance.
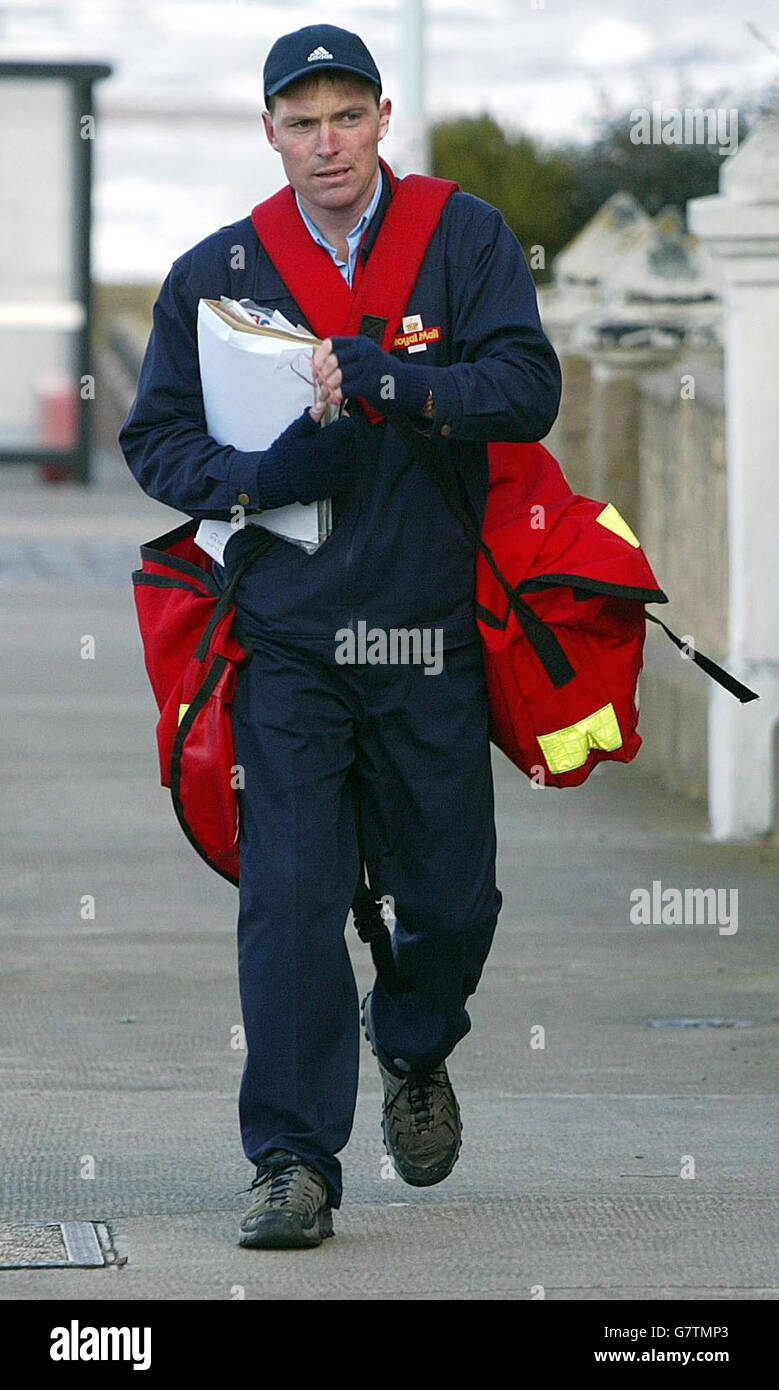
<point>363,369</point>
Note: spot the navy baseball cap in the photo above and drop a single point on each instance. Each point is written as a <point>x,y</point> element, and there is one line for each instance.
<point>312,48</point>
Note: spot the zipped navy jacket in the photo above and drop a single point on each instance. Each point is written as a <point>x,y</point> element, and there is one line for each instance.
<point>397,556</point>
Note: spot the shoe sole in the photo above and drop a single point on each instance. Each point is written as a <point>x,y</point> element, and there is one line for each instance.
<point>411,1178</point>
<point>279,1230</point>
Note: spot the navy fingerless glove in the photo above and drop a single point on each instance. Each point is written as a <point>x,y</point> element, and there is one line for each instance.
<point>386,383</point>
<point>307,462</point>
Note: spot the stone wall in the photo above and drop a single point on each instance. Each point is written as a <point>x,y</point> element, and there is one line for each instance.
<point>632,439</point>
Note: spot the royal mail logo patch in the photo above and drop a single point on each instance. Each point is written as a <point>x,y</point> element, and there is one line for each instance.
<point>415,337</point>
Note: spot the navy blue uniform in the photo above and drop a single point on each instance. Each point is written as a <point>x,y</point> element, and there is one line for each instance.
<point>340,760</point>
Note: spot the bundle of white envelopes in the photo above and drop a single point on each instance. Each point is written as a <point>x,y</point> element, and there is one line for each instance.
<point>257,377</point>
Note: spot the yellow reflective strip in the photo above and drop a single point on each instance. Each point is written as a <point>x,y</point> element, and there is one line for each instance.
<point>182,711</point>
<point>568,748</point>
<point>613,521</point>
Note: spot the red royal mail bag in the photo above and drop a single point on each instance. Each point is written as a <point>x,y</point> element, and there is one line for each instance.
<point>561,584</point>
<point>193,655</point>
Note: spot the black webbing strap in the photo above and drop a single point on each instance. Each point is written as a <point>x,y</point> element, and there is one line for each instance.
<point>539,634</point>
<point>366,909</point>
<point>265,540</point>
<point>372,929</point>
<point>717,673</point>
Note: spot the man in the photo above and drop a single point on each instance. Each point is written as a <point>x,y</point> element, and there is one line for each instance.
<point>385,764</point>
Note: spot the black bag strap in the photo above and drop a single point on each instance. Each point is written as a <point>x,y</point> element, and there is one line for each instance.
<point>541,637</point>
<point>717,673</point>
<point>265,540</point>
<point>372,929</point>
<point>366,909</point>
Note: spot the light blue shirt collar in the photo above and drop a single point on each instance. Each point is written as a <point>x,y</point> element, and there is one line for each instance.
<point>353,238</point>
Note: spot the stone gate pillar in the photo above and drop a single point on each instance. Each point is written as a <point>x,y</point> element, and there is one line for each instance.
<point>740,227</point>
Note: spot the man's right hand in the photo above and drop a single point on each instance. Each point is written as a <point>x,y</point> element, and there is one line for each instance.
<point>307,462</point>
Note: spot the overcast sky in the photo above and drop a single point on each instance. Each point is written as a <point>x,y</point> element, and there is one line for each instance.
<point>544,70</point>
<point>541,68</point>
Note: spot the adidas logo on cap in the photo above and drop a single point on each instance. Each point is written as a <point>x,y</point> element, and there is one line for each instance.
<point>318,54</point>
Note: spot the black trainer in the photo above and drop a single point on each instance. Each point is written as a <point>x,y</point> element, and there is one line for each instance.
<point>291,1208</point>
<point>420,1117</point>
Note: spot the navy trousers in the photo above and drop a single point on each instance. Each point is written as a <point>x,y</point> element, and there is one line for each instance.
<point>339,760</point>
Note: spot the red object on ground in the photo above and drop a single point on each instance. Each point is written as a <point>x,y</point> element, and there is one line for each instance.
<point>59,404</point>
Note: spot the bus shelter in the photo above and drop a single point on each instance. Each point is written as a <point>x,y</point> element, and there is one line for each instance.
<point>48,123</point>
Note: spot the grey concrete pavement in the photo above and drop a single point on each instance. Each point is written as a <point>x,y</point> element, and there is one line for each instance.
<point>115,1033</point>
